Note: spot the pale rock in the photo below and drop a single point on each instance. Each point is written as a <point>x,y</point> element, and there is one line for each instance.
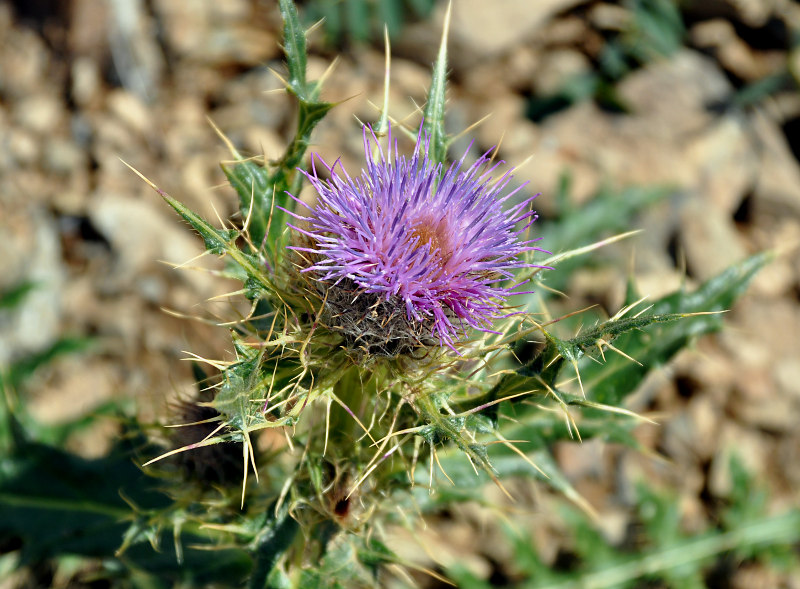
<point>783,106</point>
<point>481,84</point>
<point>556,68</point>
<point>408,77</point>
<point>481,30</point>
<point>503,114</point>
<point>201,182</point>
<point>709,238</point>
<point>30,251</point>
<point>581,461</point>
<point>86,82</point>
<point>610,17</point>
<point>62,156</point>
<point>733,53</point>
<point>788,455</point>
<point>88,31</point>
<point>428,545</point>
<point>779,413</point>
<point>747,445</point>
<point>613,524</point>
<point>679,441</point>
<point>768,333</point>
<point>726,163</point>
<point>140,234</point>
<point>22,147</point>
<point>264,141</point>
<point>93,442</point>
<point>81,384</point>
<point>755,13</point>
<point>217,32</point>
<point>753,574</point>
<point>130,110</point>
<point>694,513</point>
<point>777,190</point>
<point>659,281</point>
<point>673,95</point>
<point>774,280</point>
<point>24,61</point>
<point>520,68</point>
<point>138,57</point>
<point>518,142</point>
<point>787,376</point>
<point>705,416</point>
<point>40,113</point>
<point>567,30</point>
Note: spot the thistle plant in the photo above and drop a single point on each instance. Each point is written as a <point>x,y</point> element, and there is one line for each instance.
<point>398,346</point>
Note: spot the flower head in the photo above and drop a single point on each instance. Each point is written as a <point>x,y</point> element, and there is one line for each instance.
<point>432,247</point>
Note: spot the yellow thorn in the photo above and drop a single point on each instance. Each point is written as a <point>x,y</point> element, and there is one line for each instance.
<point>439,464</point>
<point>224,138</point>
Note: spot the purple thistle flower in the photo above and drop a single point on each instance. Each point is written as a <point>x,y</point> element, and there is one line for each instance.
<point>436,242</point>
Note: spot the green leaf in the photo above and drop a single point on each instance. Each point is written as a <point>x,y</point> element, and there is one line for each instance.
<point>357,19</point>
<point>14,296</point>
<point>273,540</point>
<point>216,241</point>
<point>54,503</point>
<point>650,339</point>
<point>294,46</point>
<point>223,241</point>
<point>667,555</point>
<point>611,381</point>
<point>434,111</point>
<point>255,189</point>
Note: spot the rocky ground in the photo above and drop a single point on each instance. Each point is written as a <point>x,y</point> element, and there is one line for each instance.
<point>85,84</point>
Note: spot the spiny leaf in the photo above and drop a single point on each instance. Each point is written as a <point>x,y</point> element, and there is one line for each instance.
<point>255,189</point>
<point>435,105</point>
<point>650,340</point>
<point>263,195</point>
<point>273,540</point>
<point>294,45</point>
<point>216,241</point>
<point>611,381</point>
<point>220,241</point>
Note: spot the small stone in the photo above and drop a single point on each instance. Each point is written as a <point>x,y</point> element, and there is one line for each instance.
<point>726,162</point>
<point>777,192</point>
<point>719,36</point>
<point>30,251</point>
<point>556,68</point>
<point>129,109</point>
<point>610,17</point>
<point>74,392</point>
<point>86,82</point>
<point>63,156</point>
<point>747,445</point>
<point>40,113</point>
<point>481,30</point>
<point>23,147</point>
<point>787,376</point>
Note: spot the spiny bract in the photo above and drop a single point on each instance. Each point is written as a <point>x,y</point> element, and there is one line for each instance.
<point>437,242</point>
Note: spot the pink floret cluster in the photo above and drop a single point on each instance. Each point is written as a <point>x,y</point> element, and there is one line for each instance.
<point>444,241</point>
